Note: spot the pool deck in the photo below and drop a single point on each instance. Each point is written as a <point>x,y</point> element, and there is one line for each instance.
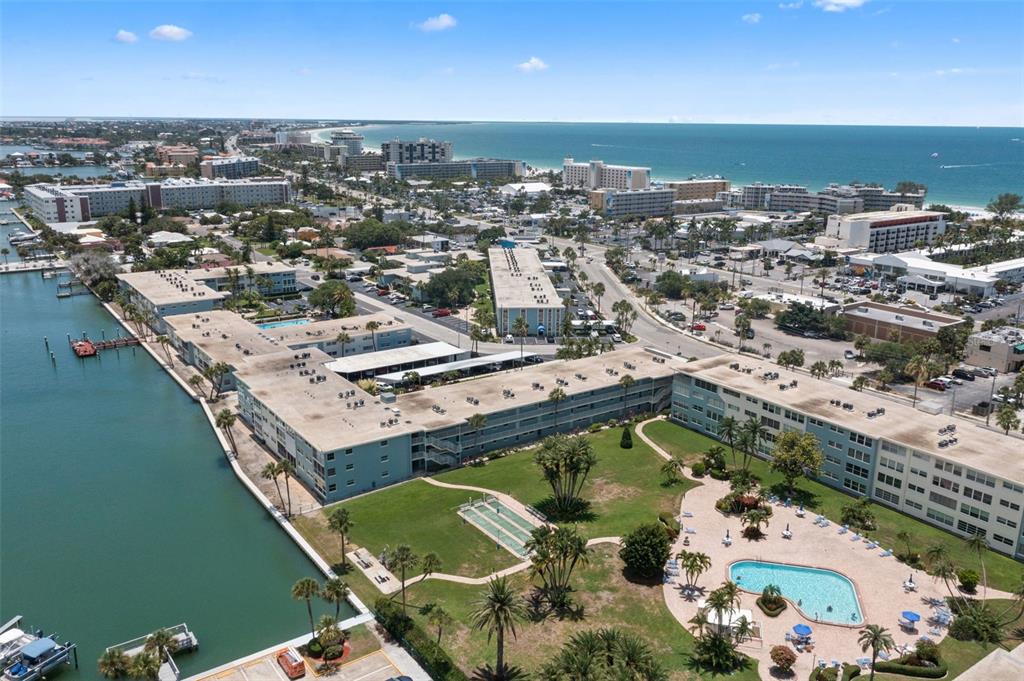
<point>878,580</point>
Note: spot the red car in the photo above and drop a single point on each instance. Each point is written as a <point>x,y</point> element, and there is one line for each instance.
<point>442,312</point>
<point>383,292</point>
<point>936,385</point>
<point>698,327</point>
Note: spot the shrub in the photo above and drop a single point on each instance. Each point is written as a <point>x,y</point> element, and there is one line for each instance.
<point>645,550</point>
<point>897,667</point>
<point>670,523</point>
<point>334,652</point>
<point>968,580</point>
<point>594,427</point>
<point>771,608</point>
<point>627,439</point>
<point>697,469</point>
<point>314,649</point>
<point>422,646</point>
<point>927,651</point>
<point>783,657</point>
<point>719,474</point>
<point>832,674</point>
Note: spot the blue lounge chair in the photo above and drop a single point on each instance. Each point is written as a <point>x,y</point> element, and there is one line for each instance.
<point>882,655</point>
<point>844,529</point>
<point>863,662</point>
<point>855,537</point>
<point>886,553</point>
<point>691,530</point>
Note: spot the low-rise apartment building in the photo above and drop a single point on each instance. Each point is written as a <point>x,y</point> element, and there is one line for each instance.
<point>646,202</point>
<point>522,288</point>
<point>899,229</point>
<point>170,154</point>
<point>600,175</point>
<point>895,322</point>
<point>230,167</point>
<point>1002,349</point>
<point>967,481</point>
<point>477,169</point>
<point>690,190</point>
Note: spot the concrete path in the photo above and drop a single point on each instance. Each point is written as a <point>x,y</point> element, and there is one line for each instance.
<point>507,499</point>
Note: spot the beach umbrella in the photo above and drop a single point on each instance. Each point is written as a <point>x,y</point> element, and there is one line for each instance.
<point>727,534</point>
<point>787,527</point>
<point>802,629</point>
<point>911,616</point>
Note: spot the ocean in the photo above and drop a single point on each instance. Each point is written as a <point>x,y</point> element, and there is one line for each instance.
<point>972,166</point>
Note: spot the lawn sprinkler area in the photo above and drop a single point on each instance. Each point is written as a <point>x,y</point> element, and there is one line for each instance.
<point>500,523</point>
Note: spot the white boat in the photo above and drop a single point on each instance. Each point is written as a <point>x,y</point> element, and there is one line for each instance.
<point>12,640</point>
<point>37,659</point>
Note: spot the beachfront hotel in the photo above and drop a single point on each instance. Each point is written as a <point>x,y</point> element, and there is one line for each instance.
<point>421,151</point>
<point>613,203</point>
<point>599,175</point>
<point>889,231</point>
<point>963,480</point>
<point>476,168</point>
<point>80,203</point>
<point>692,190</point>
<point>344,441</point>
<point>522,288</point>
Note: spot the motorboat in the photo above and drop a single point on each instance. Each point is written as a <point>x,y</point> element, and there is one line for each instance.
<point>38,658</point>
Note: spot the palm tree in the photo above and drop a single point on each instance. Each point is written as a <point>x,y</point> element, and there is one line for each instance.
<point>626,382</point>
<point>429,564</point>
<point>335,591</point>
<point>270,472</point>
<point>342,339</point>
<point>671,469</point>
<point>477,423</point>
<point>163,643</point>
<point>554,397</point>
<point>305,590</point>
<point>340,522</point>
<point>752,434</point>
<point>114,663</point>
<point>145,665</point>
<point>402,559</point>
<point>728,430</point>
<point>978,545</point>
<point>905,537</point>
<point>876,638</point>
<point>598,290</point>
<point>754,518</point>
<point>693,564</point>
<point>165,343</point>
<point>5,252</point>
<point>286,468</point>
<point>226,419</point>
<point>520,329</point>
<point>498,609</point>
<point>438,617</point>
<point>195,381</point>
<point>919,369</point>
<point>372,327</point>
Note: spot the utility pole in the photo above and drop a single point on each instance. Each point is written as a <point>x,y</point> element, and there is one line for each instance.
<point>991,392</point>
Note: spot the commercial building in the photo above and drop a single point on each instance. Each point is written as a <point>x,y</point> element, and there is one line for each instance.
<point>352,141</point>
<point>477,169</point>
<point>171,154</point>
<point>230,167</point>
<point>918,270</point>
<point>421,151</point>
<point>599,175</point>
<point>900,229</point>
<point>343,441</point>
<point>400,359</point>
<point>965,481</point>
<point>522,288</point>
<point>690,190</point>
<point>899,322</point>
<point>614,203</point>
<point>525,189</point>
<point>1002,349</point>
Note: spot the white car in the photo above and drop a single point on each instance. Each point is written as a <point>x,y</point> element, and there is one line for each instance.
<point>950,379</point>
<point>509,339</point>
<point>617,338</point>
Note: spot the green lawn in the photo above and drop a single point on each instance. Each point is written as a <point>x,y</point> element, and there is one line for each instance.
<point>1004,572</point>
<point>624,488</point>
<point>415,513</point>
<point>608,600</point>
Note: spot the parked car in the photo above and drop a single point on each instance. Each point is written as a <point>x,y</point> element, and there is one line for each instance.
<point>951,379</point>
<point>509,339</point>
<point>726,306</point>
<point>381,292</point>
<point>849,354</point>
<point>963,374</point>
<point>427,308</point>
<point>698,327</point>
<point>616,338</point>
<point>441,312</point>
<point>936,385</point>
<point>315,277</point>
<point>354,277</point>
<point>985,372</point>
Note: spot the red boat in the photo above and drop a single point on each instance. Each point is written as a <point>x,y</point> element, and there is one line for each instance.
<point>84,348</point>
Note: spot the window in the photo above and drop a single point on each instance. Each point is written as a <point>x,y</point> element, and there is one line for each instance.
<point>1009,504</point>
<point>940,517</point>
<point>330,472</point>
<point>1002,540</point>
<point>889,497</point>
<point>945,484</point>
<point>918,471</point>
<point>793,416</point>
<point>981,478</point>
<point>862,439</point>
<point>384,474</point>
<point>915,488</point>
<point>330,456</point>
<point>771,423</point>
<point>859,471</point>
<point>835,445</point>
<point>977,495</point>
<point>350,483</point>
<point>349,466</point>
<point>969,528</point>
<point>730,393</point>
<point>830,475</point>
<point>704,385</point>
<point>332,487</point>
<point>1004,521</point>
<point>348,451</point>
<point>854,485</point>
<point>384,459</point>
<point>942,499</point>
<point>1019,489</point>
<point>771,408</point>
<point>914,504</point>
<point>890,480</point>
<point>833,459</point>
<point>891,464</point>
<point>858,456</point>
<point>949,468</point>
<point>974,512</point>
<point>383,443</point>
<point>893,449</point>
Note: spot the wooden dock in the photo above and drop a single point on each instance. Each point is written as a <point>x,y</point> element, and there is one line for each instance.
<point>89,348</point>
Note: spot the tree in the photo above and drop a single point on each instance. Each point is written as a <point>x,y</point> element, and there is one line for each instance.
<point>858,515</point>
<point>919,369</point>
<point>145,665</point>
<point>554,554</point>
<point>978,545</point>
<point>876,639</point>
<point>225,420</point>
<point>859,383</point>
<point>439,617</point>
<point>728,430</point>
<point>477,423</point>
<point>165,343</point>
<point>339,520</point>
<point>334,298</point>
<point>520,329</point>
<point>402,559</point>
<point>645,550</point>
<point>672,470</point>
<point>693,564</point>
<point>342,339</point>
<point>906,537</point>
<point>335,591</point>
<point>194,381</point>
<point>1003,206</point>
<point>411,378</point>
<point>753,520</point>
<point>270,472</point>
<point>819,369</point>
<point>429,564</point>
<point>626,441</point>
<point>162,643</point>
<point>372,326</point>
<point>305,590</point>
<point>6,252</point>
<point>286,468</point>
<point>604,654</point>
<point>752,435</point>
<point>625,315</point>
<point>598,292</point>
<point>783,657</point>
<point>566,462</point>
<point>214,374</point>
<point>114,664</point>
<point>626,382</point>
<point>497,610</point>
<point>1007,418</point>
<point>795,455</point>
<point>556,396</point>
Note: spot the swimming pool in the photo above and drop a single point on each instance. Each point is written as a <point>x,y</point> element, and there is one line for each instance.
<point>278,325</point>
<point>822,595</point>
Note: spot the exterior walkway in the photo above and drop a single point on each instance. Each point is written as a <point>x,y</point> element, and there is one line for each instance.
<point>878,580</point>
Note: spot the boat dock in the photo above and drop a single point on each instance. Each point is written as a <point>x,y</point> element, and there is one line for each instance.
<point>182,635</point>
<point>89,348</point>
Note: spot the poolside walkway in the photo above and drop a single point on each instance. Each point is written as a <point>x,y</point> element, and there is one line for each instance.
<point>506,499</point>
<point>879,581</point>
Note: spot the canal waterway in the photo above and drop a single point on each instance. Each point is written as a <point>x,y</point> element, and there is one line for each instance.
<point>119,512</point>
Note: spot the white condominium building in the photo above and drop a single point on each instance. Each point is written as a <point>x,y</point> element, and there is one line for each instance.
<point>230,167</point>
<point>352,141</point>
<point>420,151</point>
<point>522,288</point>
<point>647,202</point>
<point>688,190</point>
<point>599,175</point>
<point>900,229</point>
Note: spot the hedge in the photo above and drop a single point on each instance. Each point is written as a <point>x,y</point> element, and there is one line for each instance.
<point>719,474</point>
<point>850,671</point>
<point>936,672</point>
<point>422,646</point>
<point>670,523</point>
<point>771,612</point>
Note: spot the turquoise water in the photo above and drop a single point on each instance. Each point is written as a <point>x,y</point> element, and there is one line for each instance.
<point>812,590</point>
<point>119,512</point>
<point>76,171</point>
<point>278,325</point>
<point>973,166</point>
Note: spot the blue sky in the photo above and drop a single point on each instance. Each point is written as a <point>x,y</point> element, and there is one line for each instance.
<point>810,61</point>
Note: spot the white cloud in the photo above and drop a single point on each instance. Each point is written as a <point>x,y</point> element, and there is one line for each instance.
<point>123,36</point>
<point>532,64</point>
<point>838,5</point>
<point>441,22</point>
<point>170,32</point>
<point>791,5</point>
<point>956,41</point>
<point>754,18</point>
<point>955,71</point>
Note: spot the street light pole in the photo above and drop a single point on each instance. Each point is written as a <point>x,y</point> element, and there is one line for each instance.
<point>991,392</point>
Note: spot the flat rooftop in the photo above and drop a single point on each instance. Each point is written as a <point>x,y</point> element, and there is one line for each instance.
<point>458,365</point>
<point>519,280</point>
<point>901,315</point>
<point>371,361</point>
<point>881,215</point>
<point>980,448</point>
<point>168,287</point>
